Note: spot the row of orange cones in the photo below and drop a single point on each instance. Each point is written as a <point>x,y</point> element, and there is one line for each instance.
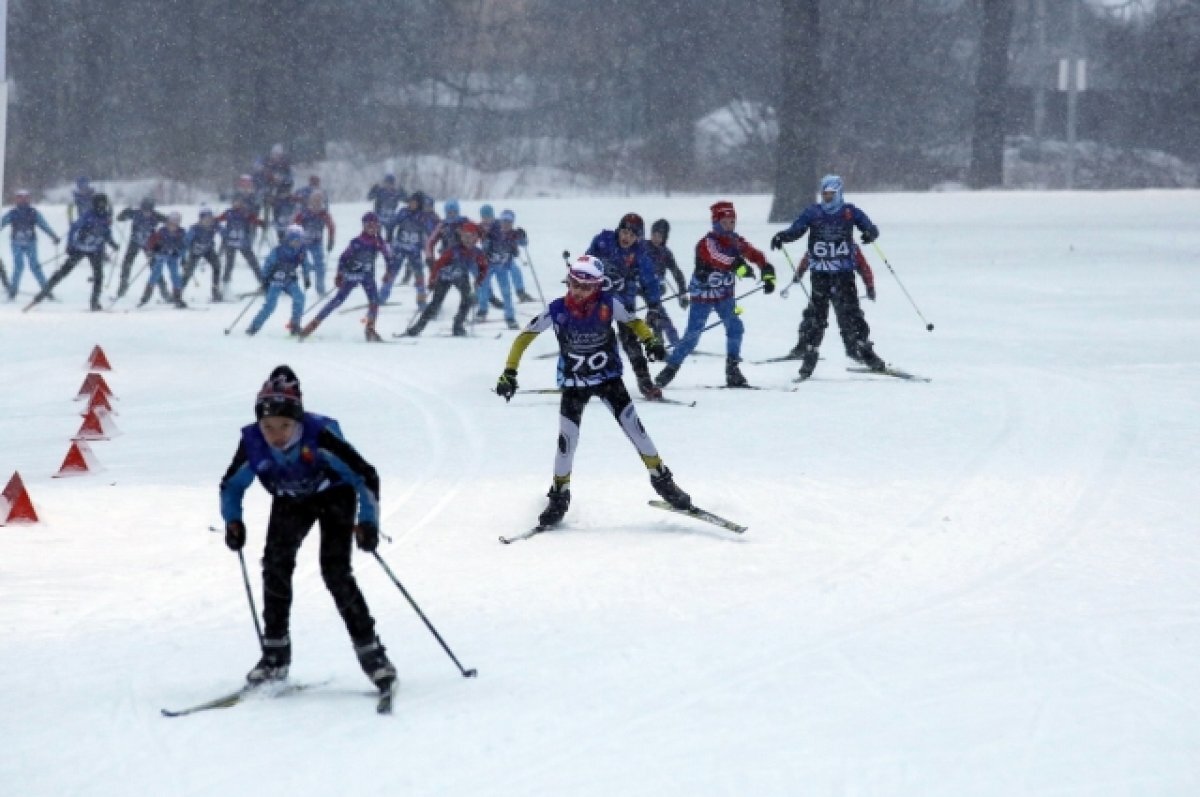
<point>15,504</point>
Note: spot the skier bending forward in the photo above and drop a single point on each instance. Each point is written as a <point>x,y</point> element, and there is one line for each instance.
<point>589,365</point>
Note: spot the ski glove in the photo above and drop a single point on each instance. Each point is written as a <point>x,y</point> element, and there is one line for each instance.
<point>777,241</point>
<point>307,282</point>
<point>744,270</point>
<point>654,317</point>
<point>656,352</point>
<point>367,536</point>
<point>329,246</point>
<point>506,385</point>
<point>235,535</point>
<point>869,236</point>
<point>684,301</point>
<point>768,278</point>
<point>871,293</point>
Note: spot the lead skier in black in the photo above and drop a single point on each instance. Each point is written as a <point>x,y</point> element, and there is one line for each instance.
<point>314,476</point>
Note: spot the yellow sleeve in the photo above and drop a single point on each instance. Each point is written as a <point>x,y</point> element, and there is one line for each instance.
<point>641,329</point>
<point>519,345</point>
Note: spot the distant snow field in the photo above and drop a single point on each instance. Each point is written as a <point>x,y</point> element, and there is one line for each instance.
<point>983,585</point>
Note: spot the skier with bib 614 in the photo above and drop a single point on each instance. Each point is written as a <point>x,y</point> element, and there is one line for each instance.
<point>314,476</point>
<point>832,254</point>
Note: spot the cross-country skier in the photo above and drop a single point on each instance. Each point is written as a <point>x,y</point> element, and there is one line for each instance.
<point>237,236</point>
<point>830,225</point>
<point>165,249</point>
<point>356,268</point>
<point>387,196</point>
<point>445,234</point>
<point>283,204</point>
<point>81,199</point>
<point>314,476</point>
<point>590,366</point>
<point>454,269</point>
<point>143,221</point>
<point>664,262</point>
<point>87,237</point>
<point>628,271</point>
<point>279,275</point>
<point>201,243</point>
<point>502,245</point>
<point>721,257</point>
<point>314,185</point>
<point>315,219</point>
<point>414,224</point>
<point>25,221</point>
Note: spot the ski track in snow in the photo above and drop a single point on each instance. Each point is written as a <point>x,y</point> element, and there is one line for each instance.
<point>982,585</point>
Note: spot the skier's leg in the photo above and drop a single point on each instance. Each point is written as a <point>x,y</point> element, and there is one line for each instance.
<point>288,525</point>
<point>335,512</point>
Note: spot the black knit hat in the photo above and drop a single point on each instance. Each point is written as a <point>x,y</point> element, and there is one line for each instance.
<point>661,226</point>
<point>280,396</point>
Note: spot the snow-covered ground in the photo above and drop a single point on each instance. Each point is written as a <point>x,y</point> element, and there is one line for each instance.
<point>983,585</point>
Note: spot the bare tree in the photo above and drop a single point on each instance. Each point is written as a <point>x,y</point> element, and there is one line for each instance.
<point>799,112</point>
<point>987,141</point>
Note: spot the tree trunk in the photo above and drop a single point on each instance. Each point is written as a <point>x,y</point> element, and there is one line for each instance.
<point>991,82</point>
<point>799,111</point>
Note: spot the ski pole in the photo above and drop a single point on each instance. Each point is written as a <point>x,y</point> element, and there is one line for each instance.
<point>253,296</point>
<point>250,597</point>
<point>796,277</point>
<point>471,673</point>
<point>736,309</point>
<point>537,283</point>
<point>928,325</point>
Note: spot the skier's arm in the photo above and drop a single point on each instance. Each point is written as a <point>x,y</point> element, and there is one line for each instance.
<point>346,462</point>
<point>535,327</point>
<point>238,477</point>
<point>42,224</point>
<point>636,325</point>
<point>865,226</point>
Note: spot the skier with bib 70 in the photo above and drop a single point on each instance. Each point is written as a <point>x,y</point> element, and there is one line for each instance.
<point>589,366</point>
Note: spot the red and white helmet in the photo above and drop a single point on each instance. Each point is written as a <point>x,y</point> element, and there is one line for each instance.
<point>586,271</point>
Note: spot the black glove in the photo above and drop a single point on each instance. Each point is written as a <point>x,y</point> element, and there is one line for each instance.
<point>112,245</point>
<point>869,235</point>
<point>684,301</point>
<point>744,270</point>
<point>307,282</point>
<point>768,278</point>
<point>654,316</point>
<point>871,293</point>
<point>656,352</point>
<point>777,241</point>
<point>235,535</point>
<point>57,241</point>
<point>367,536</point>
<point>329,246</point>
<point>506,385</point>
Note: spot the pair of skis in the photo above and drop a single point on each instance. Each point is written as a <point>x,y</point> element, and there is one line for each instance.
<point>694,512</point>
<point>271,690</point>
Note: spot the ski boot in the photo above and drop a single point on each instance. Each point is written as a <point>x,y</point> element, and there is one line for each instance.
<point>733,374</point>
<point>512,323</point>
<point>666,375</point>
<point>494,302</point>
<point>480,315</point>
<point>524,297</point>
<point>664,484</point>
<point>810,362</point>
<point>372,657</point>
<point>273,666</point>
<point>560,499</point>
<point>459,331</point>
<point>372,335</point>
<point>868,357</point>
<point>797,352</point>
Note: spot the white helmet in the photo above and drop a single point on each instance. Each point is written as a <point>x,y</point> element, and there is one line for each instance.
<point>586,270</point>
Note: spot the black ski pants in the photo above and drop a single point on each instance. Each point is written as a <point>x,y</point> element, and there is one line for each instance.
<point>96,259</point>
<point>189,268</point>
<point>839,289</point>
<point>252,261</point>
<point>440,290</point>
<point>291,519</point>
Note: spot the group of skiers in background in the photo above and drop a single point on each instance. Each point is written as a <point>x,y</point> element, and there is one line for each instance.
<point>437,254</point>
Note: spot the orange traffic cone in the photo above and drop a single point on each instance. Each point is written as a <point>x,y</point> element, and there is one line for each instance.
<point>91,383</point>
<point>79,460</point>
<point>97,361</point>
<point>15,504</point>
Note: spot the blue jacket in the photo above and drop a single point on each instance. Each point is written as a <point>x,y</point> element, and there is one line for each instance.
<point>830,235</point>
<point>386,200</point>
<point>200,240</point>
<point>319,460</point>
<point>26,221</point>
<point>500,246</point>
<point>282,263</point>
<point>90,233</point>
<point>626,271</point>
<point>166,242</point>
<point>143,223</point>
<point>358,258</point>
<point>413,228</point>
